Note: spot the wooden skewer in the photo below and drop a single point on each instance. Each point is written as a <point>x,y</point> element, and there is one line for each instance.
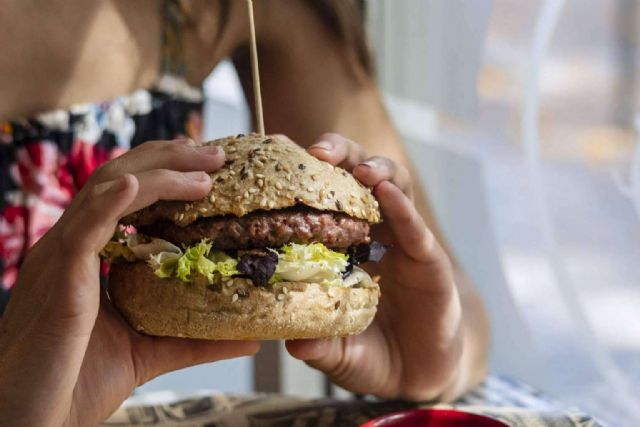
<point>254,70</point>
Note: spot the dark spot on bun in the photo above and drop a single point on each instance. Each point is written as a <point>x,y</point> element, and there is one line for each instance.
<point>301,167</point>
<point>215,287</point>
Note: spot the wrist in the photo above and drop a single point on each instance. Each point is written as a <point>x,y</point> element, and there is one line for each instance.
<point>36,381</point>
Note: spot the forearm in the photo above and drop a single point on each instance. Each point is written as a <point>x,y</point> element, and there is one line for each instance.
<point>40,349</point>
<point>310,88</point>
<point>473,363</point>
<point>378,136</point>
<point>37,378</point>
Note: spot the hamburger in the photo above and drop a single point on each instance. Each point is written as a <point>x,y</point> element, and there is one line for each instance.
<point>273,252</point>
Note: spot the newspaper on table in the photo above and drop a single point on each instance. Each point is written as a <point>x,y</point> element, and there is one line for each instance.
<point>508,401</point>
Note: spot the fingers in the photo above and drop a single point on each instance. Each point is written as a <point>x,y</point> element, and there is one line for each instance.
<point>158,170</point>
<point>319,352</point>
<point>181,155</point>
<point>89,225</point>
<point>154,356</point>
<point>164,184</point>
<point>151,145</point>
<point>407,226</point>
<point>322,354</point>
<point>93,219</point>
<point>348,361</point>
<point>377,169</point>
<point>338,150</point>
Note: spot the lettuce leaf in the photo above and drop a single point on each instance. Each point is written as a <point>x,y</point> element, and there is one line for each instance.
<point>294,262</point>
<point>225,265</point>
<point>164,263</point>
<point>144,247</point>
<point>114,250</point>
<point>198,259</point>
<point>311,263</point>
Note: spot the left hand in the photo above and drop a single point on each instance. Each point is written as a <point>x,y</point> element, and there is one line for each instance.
<point>67,357</point>
<point>413,347</point>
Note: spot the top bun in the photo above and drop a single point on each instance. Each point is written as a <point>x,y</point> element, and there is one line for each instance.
<point>267,173</point>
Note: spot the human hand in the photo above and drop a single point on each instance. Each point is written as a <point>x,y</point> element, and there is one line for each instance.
<point>413,347</point>
<point>66,355</point>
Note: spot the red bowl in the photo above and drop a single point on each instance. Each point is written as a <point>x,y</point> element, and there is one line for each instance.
<point>434,418</point>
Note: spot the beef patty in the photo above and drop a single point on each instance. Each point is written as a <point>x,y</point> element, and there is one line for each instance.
<point>267,229</point>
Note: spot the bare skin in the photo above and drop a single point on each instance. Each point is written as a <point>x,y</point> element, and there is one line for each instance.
<point>66,356</point>
<point>324,92</point>
<point>66,52</point>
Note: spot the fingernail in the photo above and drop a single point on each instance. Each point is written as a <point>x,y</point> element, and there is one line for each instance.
<point>113,186</point>
<point>210,150</point>
<point>323,145</point>
<point>197,176</point>
<point>370,164</point>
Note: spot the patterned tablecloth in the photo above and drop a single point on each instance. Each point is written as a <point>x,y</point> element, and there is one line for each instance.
<point>509,401</point>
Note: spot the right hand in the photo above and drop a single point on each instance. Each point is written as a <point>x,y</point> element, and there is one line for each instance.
<point>412,361</point>
<point>66,356</point>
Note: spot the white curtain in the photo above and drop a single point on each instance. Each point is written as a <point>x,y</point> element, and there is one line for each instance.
<point>528,159</point>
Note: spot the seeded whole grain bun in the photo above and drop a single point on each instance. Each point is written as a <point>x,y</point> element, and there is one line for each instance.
<point>269,193</point>
<point>237,310</point>
<point>267,173</point>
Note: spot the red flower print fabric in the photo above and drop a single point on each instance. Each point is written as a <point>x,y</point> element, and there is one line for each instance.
<point>46,160</point>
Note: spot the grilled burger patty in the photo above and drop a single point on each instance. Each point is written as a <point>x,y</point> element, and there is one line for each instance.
<point>267,229</point>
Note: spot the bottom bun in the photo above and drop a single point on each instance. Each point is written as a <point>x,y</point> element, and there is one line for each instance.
<point>237,310</point>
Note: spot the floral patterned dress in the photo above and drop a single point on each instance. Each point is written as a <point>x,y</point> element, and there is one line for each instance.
<point>45,160</point>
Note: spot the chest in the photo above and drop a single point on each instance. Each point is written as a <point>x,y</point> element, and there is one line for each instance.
<point>61,52</point>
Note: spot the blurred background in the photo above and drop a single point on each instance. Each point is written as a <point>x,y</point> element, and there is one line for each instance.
<point>523,118</point>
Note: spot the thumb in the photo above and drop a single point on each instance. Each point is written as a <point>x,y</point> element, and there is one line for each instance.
<point>359,363</point>
<point>89,225</point>
<point>326,355</point>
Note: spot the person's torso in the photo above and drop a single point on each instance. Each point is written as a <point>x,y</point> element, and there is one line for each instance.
<point>93,79</point>
<point>63,52</point>
<point>60,53</point>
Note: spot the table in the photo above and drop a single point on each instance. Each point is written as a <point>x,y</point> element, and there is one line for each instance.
<point>508,400</point>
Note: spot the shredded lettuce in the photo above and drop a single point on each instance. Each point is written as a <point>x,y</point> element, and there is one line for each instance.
<point>311,263</point>
<point>144,247</point>
<point>199,259</point>
<point>114,250</point>
<point>358,277</point>
<point>164,263</point>
<point>225,265</point>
